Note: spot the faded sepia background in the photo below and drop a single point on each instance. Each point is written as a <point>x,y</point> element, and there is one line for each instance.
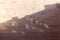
<point>20,8</point>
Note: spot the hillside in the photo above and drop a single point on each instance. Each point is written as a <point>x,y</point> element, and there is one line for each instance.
<point>42,25</point>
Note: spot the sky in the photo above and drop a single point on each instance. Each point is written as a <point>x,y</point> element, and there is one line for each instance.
<point>20,8</point>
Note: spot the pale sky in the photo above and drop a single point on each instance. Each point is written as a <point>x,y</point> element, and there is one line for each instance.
<point>20,8</point>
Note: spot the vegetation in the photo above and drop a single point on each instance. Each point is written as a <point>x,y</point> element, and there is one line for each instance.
<point>43,25</point>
